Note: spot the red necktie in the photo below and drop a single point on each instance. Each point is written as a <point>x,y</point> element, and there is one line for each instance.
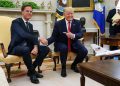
<point>69,42</point>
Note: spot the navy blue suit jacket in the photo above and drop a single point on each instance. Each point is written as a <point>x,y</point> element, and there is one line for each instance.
<point>113,30</point>
<point>59,37</point>
<point>20,34</point>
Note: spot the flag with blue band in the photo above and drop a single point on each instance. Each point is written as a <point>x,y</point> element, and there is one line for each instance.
<point>99,17</point>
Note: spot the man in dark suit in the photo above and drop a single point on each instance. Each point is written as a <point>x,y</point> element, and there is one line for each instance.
<point>24,42</point>
<point>113,29</point>
<point>66,35</point>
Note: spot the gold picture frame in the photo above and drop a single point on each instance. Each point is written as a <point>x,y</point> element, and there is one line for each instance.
<point>85,7</point>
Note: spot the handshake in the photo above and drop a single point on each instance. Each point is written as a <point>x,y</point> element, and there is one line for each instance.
<point>116,22</point>
<point>43,41</point>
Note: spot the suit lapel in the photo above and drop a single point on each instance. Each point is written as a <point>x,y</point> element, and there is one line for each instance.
<point>72,25</point>
<point>24,26</point>
<point>64,26</point>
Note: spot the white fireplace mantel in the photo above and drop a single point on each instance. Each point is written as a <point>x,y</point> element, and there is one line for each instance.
<point>18,10</point>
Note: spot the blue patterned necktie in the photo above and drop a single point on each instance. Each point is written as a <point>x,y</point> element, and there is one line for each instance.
<point>27,26</point>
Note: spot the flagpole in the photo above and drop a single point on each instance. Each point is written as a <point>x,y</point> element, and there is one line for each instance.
<point>98,37</point>
<point>99,19</point>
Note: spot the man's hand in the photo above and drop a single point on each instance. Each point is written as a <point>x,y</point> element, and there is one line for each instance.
<point>43,41</point>
<point>117,21</point>
<point>70,35</point>
<point>35,50</point>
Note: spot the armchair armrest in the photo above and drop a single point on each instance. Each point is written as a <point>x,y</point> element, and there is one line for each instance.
<point>3,49</point>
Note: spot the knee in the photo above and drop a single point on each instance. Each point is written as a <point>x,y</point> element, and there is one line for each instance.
<point>63,49</point>
<point>47,50</point>
<point>44,49</point>
<point>83,51</point>
<point>26,50</point>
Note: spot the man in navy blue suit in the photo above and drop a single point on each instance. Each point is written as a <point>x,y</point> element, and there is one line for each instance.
<point>113,29</point>
<point>24,42</point>
<point>66,35</point>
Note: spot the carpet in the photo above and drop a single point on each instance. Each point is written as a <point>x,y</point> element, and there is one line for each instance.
<point>47,65</point>
<point>51,78</point>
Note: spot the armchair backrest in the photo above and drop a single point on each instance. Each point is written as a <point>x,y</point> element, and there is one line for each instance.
<point>5,24</point>
<point>83,21</point>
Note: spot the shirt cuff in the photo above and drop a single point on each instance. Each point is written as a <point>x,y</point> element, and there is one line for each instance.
<point>73,36</point>
<point>35,45</point>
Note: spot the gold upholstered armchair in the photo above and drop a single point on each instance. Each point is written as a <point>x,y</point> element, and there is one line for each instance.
<point>9,60</point>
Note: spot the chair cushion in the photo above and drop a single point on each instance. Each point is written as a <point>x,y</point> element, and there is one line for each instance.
<point>12,58</point>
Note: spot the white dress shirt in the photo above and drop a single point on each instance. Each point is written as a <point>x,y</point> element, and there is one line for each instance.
<point>73,35</point>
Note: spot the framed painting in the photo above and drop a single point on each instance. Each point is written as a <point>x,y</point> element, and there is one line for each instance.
<point>81,5</point>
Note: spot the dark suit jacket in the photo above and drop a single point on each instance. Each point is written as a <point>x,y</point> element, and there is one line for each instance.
<point>112,29</point>
<point>21,34</point>
<point>59,37</point>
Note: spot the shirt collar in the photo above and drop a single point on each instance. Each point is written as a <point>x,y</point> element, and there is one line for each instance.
<point>67,21</point>
<point>24,20</point>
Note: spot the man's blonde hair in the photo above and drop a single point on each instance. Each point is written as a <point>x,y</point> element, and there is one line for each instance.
<point>68,9</point>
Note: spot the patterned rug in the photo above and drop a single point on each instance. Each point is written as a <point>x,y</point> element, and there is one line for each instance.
<point>15,72</point>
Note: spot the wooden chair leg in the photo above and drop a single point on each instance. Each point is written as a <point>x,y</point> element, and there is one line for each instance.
<point>8,67</point>
<point>19,67</point>
<point>58,59</point>
<point>39,71</point>
<point>86,59</point>
<point>54,60</point>
<point>100,57</point>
